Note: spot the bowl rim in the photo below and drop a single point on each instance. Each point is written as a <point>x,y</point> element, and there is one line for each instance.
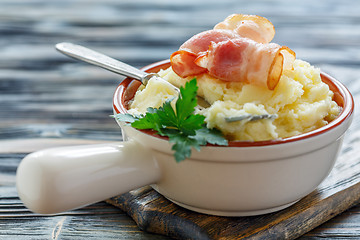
<point>342,94</point>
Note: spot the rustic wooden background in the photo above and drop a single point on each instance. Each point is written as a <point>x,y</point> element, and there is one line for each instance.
<point>47,99</point>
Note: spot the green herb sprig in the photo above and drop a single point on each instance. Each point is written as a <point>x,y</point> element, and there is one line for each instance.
<point>184,129</point>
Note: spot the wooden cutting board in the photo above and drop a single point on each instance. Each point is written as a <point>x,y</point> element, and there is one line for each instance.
<point>339,191</point>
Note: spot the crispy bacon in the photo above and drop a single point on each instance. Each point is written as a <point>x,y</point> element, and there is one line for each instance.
<point>254,27</point>
<point>183,64</point>
<point>244,60</point>
<point>183,61</point>
<point>200,42</point>
<point>237,49</point>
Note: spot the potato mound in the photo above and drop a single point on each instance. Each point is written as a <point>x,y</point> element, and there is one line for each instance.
<point>301,101</point>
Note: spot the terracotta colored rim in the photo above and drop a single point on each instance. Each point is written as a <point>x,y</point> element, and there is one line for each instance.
<point>127,88</point>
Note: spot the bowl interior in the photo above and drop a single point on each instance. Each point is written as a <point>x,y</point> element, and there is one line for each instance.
<point>127,89</point>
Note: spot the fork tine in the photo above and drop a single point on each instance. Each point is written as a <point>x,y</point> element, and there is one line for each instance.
<point>250,117</point>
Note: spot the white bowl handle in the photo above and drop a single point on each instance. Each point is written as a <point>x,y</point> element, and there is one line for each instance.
<point>60,179</point>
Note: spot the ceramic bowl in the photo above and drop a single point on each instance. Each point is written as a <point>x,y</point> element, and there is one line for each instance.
<point>242,179</point>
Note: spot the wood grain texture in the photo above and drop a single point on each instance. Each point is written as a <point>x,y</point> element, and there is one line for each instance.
<point>340,191</point>
<point>50,100</point>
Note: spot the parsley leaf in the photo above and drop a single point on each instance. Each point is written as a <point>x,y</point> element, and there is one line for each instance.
<point>182,146</point>
<point>126,117</point>
<point>167,115</point>
<point>212,136</point>
<point>186,103</point>
<point>184,129</point>
<point>149,121</point>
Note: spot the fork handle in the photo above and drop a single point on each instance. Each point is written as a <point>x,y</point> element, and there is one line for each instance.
<point>101,60</point>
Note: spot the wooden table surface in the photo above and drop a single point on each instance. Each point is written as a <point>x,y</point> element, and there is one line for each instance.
<point>47,99</point>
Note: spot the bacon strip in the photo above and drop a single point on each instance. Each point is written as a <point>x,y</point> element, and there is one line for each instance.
<point>200,42</point>
<point>183,64</point>
<point>238,49</point>
<point>254,27</point>
<point>245,60</point>
<point>183,61</point>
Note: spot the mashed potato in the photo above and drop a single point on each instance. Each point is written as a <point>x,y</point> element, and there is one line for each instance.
<point>301,101</point>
